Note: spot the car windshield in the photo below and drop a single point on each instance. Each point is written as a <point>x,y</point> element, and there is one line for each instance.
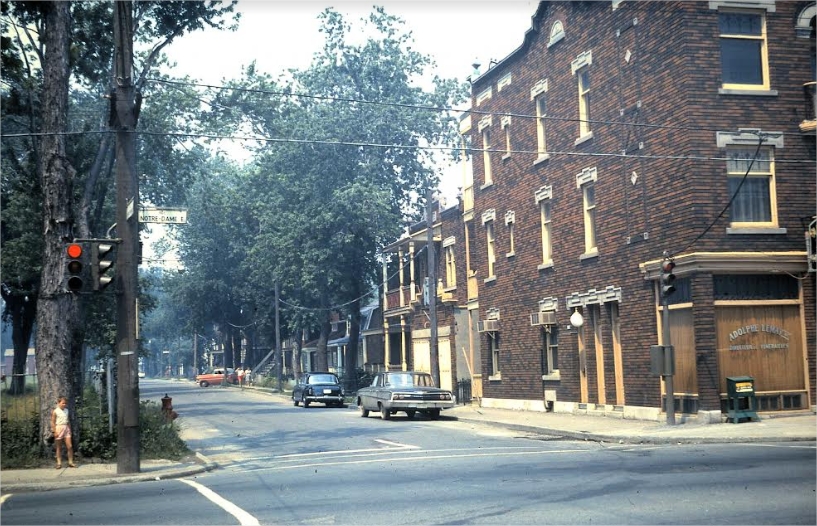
<point>409,380</point>
<point>323,379</point>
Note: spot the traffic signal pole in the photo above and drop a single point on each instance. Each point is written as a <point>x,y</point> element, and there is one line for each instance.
<point>124,118</point>
<point>667,287</point>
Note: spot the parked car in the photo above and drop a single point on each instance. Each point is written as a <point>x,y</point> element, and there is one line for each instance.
<point>408,391</point>
<point>324,388</point>
<point>216,376</point>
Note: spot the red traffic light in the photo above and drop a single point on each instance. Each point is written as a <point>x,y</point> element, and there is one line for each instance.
<point>667,265</point>
<point>74,250</point>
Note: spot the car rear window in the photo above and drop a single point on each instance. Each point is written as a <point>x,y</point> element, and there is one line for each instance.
<point>322,379</point>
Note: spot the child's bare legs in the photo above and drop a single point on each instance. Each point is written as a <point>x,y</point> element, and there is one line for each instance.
<point>58,444</point>
<point>70,449</point>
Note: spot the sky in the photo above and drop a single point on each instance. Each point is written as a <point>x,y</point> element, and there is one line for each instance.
<point>283,34</point>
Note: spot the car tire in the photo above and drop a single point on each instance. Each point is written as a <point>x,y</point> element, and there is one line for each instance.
<point>363,411</point>
<point>433,414</point>
<point>295,401</point>
<point>385,414</point>
<point>410,414</point>
<point>204,383</point>
<point>305,402</point>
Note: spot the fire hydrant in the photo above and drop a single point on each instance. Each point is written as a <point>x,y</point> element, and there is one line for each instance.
<point>167,409</point>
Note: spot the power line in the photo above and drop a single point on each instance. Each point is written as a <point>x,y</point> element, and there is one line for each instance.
<point>361,144</point>
<point>472,111</point>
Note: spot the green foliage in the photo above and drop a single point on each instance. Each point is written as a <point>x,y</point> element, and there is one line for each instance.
<point>20,438</point>
<point>158,438</point>
<point>22,449</point>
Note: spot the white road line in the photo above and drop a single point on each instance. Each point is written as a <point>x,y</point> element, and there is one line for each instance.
<point>415,459</point>
<point>243,517</point>
<point>4,498</point>
<point>396,444</point>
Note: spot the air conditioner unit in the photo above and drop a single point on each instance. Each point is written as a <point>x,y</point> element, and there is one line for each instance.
<point>543,318</point>
<point>488,326</point>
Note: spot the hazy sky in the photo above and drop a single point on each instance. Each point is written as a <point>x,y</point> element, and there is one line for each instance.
<point>283,34</point>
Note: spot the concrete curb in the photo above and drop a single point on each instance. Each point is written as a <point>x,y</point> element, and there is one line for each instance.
<point>173,473</point>
<point>610,439</point>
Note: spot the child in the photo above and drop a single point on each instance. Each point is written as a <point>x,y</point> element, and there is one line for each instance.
<point>61,429</point>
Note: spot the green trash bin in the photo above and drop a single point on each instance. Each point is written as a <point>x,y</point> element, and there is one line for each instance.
<point>741,401</point>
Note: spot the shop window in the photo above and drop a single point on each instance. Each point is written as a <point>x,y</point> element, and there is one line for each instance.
<point>755,287</point>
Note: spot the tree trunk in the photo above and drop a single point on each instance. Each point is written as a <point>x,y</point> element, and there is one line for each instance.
<point>59,328</point>
<point>321,352</point>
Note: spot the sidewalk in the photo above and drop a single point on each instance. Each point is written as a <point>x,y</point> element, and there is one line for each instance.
<point>777,427</point>
<point>800,426</point>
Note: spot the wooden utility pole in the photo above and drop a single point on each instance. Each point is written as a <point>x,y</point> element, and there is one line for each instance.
<point>124,118</point>
<point>432,292</point>
<point>279,358</point>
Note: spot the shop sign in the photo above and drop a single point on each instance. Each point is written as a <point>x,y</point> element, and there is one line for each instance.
<point>756,328</point>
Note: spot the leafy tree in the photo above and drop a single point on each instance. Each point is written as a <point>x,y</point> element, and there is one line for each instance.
<point>52,43</point>
<point>329,207</point>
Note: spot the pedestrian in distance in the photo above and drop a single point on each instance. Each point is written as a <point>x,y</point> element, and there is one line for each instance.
<point>240,373</point>
<point>61,429</point>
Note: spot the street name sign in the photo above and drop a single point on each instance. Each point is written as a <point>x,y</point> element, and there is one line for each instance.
<point>176,216</point>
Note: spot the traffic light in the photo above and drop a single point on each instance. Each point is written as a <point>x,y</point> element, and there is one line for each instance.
<point>667,277</point>
<point>75,273</point>
<point>103,257</point>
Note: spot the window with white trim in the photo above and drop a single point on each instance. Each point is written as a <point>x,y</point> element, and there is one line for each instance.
<point>586,181</point>
<point>583,76</point>
<point>510,219</point>
<point>541,124</point>
<point>493,341</point>
<point>450,266</point>
<point>550,351</point>
<point>755,204</point>
<point>744,55</point>
<point>543,200</point>
<point>489,237</point>
<point>506,128</point>
<point>589,203</point>
<point>485,131</point>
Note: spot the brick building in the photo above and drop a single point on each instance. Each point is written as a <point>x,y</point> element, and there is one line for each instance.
<point>616,133</point>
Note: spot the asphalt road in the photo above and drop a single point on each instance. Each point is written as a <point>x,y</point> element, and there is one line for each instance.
<point>289,465</point>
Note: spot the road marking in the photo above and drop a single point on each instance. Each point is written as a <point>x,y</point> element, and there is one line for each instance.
<point>243,517</point>
<point>799,446</point>
<point>4,498</point>
<point>396,444</point>
<point>413,458</point>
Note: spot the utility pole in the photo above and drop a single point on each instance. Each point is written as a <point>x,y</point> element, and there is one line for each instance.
<point>195,354</point>
<point>667,287</point>
<point>124,118</point>
<point>432,292</point>
<point>279,358</point>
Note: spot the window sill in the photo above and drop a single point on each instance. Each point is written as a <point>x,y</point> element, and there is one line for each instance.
<point>489,279</point>
<point>755,230</point>
<point>542,158</point>
<point>487,185</point>
<point>450,289</point>
<point>752,92</point>
<point>510,254</point>
<point>495,377</point>
<point>583,138</point>
<point>588,255</point>
<point>547,264</point>
<point>552,376</point>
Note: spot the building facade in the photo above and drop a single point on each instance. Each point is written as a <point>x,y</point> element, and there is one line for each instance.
<point>619,133</point>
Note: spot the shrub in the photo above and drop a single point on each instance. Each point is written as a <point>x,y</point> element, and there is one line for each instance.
<point>22,449</point>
